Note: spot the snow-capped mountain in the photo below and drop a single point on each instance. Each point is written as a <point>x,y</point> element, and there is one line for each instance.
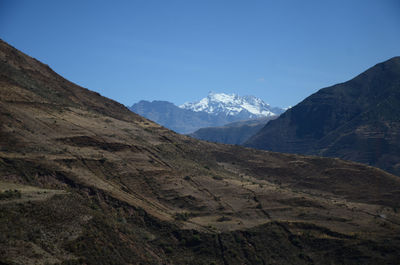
<point>249,107</point>
<point>217,109</point>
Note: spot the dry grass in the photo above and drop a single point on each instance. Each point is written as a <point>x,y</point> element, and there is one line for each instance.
<point>128,180</point>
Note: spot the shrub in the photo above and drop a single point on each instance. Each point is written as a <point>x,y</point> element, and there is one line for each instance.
<point>168,249</point>
<point>223,219</point>
<point>182,216</point>
<point>217,177</point>
<point>194,241</point>
<point>9,194</point>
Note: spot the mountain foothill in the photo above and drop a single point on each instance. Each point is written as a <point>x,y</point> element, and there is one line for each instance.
<point>84,180</point>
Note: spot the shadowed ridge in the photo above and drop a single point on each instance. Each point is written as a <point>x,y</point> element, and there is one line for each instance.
<point>356,120</point>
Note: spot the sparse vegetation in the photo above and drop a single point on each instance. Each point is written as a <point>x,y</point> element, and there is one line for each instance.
<point>10,194</point>
<point>223,219</point>
<point>126,185</point>
<point>217,177</point>
<point>183,216</point>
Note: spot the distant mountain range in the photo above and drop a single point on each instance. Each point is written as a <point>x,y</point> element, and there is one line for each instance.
<point>358,120</point>
<point>249,107</point>
<point>217,109</point>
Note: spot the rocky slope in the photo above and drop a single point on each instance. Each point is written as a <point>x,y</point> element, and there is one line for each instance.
<point>83,180</point>
<point>358,120</point>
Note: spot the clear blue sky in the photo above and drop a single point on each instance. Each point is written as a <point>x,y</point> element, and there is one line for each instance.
<point>280,51</point>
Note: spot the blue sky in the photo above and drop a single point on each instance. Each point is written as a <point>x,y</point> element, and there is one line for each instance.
<point>280,51</point>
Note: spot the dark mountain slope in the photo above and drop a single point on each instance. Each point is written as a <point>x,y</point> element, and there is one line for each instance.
<point>83,180</point>
<point>231,133</point>
<point>357,120</point>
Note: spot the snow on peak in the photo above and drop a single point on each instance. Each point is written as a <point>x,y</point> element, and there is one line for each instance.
<point>232,104</point>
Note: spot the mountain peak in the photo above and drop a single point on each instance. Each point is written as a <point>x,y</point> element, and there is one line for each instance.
<point>232,104</point>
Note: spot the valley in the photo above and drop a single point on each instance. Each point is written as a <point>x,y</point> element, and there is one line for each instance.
<point>232,133</point>
<point>93,183</point>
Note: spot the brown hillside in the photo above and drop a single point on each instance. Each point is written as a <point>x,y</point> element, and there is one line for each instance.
<point>84,180</point>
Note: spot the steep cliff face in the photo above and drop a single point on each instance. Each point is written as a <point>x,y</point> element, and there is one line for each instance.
<point>83,180</point>
<point>358,120</point>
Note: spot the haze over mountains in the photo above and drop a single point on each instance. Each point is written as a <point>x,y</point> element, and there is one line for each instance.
<point>358,120</point>
<point>217,109</point>
<point>232,133</point>
<point>83,180</point>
